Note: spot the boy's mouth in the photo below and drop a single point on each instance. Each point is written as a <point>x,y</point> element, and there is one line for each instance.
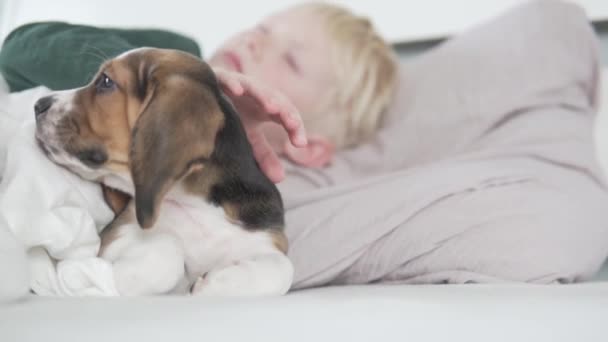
<point>234,61</point>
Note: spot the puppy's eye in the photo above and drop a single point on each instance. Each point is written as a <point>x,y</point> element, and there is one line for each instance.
<point>92,157</point>
<point>104,83</point>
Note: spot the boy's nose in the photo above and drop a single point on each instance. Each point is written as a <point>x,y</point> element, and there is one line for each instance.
<point>256,44</point>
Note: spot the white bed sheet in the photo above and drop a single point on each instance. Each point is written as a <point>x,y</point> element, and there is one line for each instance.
<point>358,313</point>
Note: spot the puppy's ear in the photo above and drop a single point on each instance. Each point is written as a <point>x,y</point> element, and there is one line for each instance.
<point>174,133</point>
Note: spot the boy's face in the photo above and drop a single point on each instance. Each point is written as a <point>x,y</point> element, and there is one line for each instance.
<point>290,51</point>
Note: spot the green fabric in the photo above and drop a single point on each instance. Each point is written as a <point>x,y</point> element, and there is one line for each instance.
<point>61,56</point>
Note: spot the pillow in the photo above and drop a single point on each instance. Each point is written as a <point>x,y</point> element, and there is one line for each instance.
<point>60,55</point>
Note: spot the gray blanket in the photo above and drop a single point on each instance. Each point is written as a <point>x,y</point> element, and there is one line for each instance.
<point>485,170</point>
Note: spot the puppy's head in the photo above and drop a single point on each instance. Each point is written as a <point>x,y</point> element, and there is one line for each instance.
<point>148,118</point>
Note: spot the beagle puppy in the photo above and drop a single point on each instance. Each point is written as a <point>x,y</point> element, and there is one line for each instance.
<point>204,218</point>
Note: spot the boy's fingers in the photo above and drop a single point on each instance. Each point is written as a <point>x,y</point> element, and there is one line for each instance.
<point>267,159</point>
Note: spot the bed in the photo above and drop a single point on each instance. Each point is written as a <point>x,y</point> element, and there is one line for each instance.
<point>494,312</point>
<point>480,312</point>
<point>397,313</point>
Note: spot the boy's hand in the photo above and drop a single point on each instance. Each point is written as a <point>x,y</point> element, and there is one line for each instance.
<point>257,103</point>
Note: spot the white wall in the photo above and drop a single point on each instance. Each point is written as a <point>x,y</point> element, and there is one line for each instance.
<point>209,22</point>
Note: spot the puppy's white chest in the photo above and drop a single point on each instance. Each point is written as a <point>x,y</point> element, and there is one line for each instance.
<point>208,238</point>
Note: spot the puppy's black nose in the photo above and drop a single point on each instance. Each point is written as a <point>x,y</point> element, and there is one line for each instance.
<point>42,105</point>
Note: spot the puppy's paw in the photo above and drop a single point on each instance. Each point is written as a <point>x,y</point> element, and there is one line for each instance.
<point>269,275</point>
<point>229,281</point>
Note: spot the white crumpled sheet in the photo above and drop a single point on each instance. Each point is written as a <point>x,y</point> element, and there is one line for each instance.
<point>48,211</point>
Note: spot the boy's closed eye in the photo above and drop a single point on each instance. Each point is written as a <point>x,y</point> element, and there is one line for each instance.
<point>291,62</point>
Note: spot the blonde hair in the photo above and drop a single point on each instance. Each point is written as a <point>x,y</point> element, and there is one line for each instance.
<point>366,73</point>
